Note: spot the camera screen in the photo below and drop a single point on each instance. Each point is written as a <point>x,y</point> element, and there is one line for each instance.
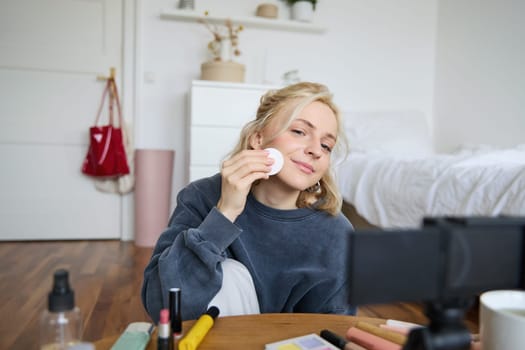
<point>446,258</point>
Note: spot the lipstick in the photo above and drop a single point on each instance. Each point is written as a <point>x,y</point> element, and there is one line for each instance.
<point>164,337</point>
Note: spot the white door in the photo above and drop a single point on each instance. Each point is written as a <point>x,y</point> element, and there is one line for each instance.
<point>51,52</point>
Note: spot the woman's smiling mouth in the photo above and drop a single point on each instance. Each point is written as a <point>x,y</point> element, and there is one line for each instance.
<point>304,167</point>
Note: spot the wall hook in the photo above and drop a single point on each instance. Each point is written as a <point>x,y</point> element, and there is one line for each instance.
<point>112,73</point>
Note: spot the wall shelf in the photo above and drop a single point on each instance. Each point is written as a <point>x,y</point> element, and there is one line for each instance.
<point>248,22</point>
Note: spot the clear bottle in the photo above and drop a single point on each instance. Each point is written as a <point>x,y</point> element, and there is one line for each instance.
<point>61,323</point>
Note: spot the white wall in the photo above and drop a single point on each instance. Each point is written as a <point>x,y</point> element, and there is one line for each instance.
<point>375,55</point>
<point>480,73</point>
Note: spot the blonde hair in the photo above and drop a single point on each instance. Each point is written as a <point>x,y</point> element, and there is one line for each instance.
<point>298,96</point>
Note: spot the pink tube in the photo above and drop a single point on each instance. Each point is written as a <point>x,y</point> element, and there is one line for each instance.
<point>370,341</point>
<point>153,178</point>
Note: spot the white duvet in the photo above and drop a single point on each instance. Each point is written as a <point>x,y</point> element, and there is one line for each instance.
<point>398,192</point>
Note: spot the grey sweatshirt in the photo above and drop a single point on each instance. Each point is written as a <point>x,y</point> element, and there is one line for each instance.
<point>297,258</point>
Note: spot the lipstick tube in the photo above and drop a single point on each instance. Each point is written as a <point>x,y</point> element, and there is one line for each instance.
<point>175,312</point>
<point>164,337</point>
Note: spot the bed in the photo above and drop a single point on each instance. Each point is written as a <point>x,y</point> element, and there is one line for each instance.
<point>392,178</point>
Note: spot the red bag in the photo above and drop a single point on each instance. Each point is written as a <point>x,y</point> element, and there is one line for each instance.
<point>106,156</point>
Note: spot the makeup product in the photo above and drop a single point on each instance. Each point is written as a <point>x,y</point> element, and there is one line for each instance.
<point>400,330</point>
<point>370,341</point>
<point>397,323</point>
<point>277,156</point>
<point>136,336</point>
<point>333,338</point>
<point>353,346</point>
<point>175,312</point>
<point>193,338</point>
<point>400,327</point>
<point>339,341</point>
<point>305,342</point>
<point>164,336</point>
<point>61,323</point>
<point>394,337</point>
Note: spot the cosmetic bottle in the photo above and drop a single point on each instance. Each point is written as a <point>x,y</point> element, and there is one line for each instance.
<point>61,323</point>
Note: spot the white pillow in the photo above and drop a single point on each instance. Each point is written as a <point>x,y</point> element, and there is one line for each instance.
<point>403,133</point>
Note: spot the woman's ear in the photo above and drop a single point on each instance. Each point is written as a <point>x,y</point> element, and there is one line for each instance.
<point>256,140</point>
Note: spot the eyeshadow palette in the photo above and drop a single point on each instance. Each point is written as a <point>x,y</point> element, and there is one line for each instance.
<point>305,342</point>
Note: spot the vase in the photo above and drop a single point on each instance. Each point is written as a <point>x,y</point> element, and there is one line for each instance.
<point>303,11</point>
<point>223,71</point>
<point>226,52</point>
<point>267,11</point>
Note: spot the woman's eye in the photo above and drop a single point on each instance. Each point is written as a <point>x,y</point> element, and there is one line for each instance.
<point>298,132</point>
<point>326,147</point>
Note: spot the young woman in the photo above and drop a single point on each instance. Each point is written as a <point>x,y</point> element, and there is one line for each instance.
<point>286,229</point>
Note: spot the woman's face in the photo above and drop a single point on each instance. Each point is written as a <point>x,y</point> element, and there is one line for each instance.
<point>306,144</point>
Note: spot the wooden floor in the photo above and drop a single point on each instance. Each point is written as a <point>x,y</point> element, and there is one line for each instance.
<point>106,277</point>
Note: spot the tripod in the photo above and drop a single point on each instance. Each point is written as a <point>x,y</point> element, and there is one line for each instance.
<point>446,330</point>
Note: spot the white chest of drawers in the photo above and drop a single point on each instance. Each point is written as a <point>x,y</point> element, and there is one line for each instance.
<point>218,111</point>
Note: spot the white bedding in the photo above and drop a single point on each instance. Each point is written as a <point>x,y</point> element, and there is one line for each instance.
<point>392,191</point>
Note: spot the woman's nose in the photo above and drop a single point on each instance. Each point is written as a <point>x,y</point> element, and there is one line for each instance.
<point>314,149</point>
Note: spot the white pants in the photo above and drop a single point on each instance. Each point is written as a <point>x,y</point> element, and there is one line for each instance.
<point>237,295</point>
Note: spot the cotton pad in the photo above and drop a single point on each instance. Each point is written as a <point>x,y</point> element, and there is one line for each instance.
<point>278,160</point>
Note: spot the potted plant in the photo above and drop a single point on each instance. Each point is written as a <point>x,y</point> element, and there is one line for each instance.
<point>302,10</point>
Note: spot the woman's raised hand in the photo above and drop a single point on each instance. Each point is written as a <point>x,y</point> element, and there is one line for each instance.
<point>238,175</point>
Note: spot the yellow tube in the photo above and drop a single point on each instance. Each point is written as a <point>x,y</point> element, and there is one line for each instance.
<point>199,330</point>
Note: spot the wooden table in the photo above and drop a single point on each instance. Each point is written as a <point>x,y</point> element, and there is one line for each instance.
<point>254,331</point>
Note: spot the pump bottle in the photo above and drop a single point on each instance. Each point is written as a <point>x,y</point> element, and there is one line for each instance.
<point>61,323</point>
